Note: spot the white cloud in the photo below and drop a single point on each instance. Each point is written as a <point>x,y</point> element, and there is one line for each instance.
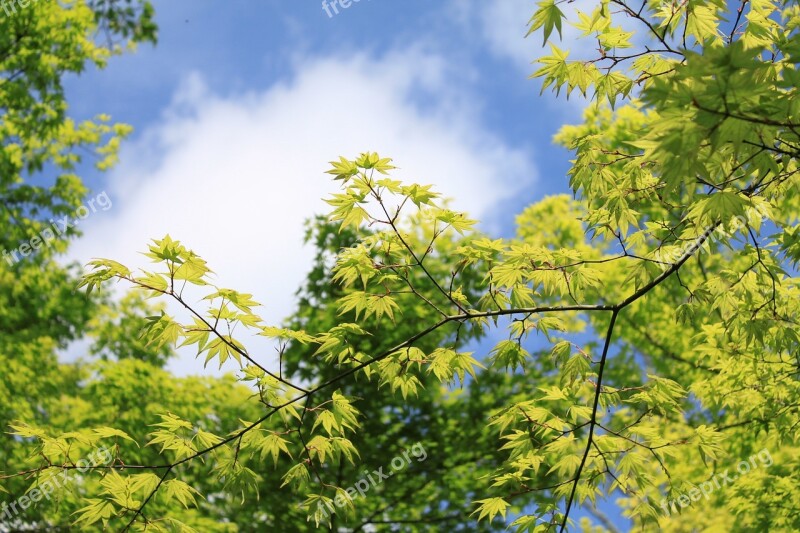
<point>234,178</point>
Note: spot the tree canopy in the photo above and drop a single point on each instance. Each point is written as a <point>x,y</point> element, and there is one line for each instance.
<point>633,349</point>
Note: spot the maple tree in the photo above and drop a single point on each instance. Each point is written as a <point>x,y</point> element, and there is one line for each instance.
<point>649,335</point>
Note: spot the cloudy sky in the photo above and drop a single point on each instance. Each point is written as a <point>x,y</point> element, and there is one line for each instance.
<point>240,106</point>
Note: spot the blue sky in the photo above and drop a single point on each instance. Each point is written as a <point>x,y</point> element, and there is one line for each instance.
<point>249,47</point>
<point>240,106</point>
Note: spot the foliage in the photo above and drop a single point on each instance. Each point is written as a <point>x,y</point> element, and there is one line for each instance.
<point>116,329</point>
<point>642,337</point>
<point>41,148</point>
